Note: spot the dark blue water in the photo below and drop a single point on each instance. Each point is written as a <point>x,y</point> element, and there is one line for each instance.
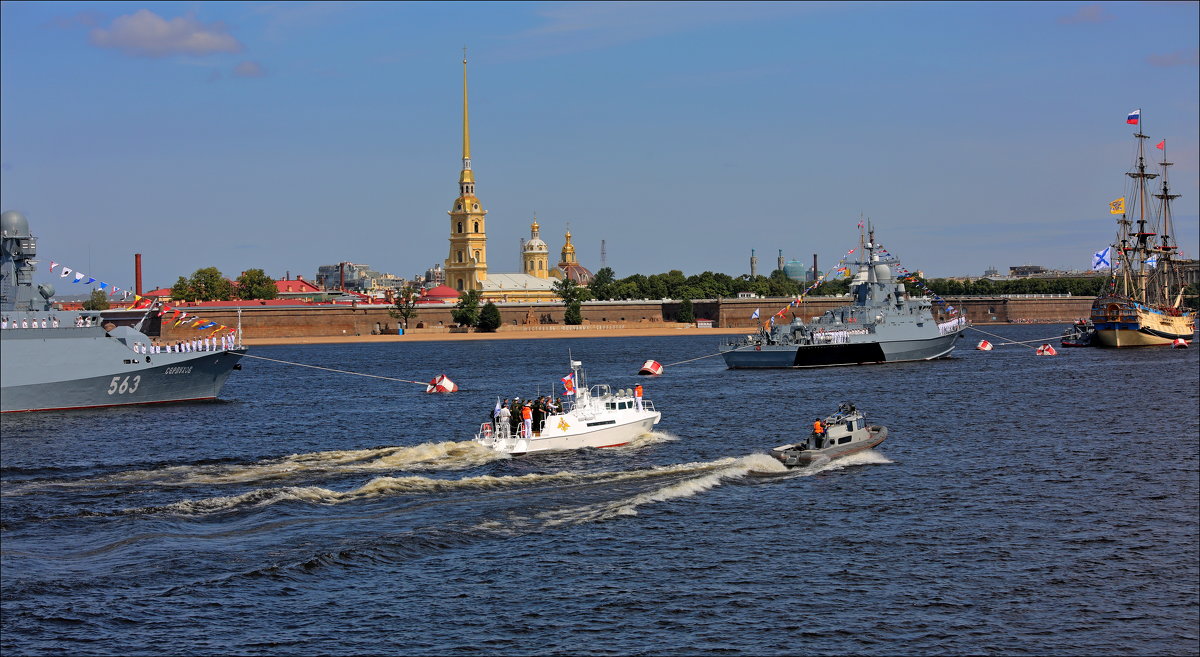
<point>1021,505</point>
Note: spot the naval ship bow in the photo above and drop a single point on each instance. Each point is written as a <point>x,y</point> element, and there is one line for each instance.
<point>60,359</point>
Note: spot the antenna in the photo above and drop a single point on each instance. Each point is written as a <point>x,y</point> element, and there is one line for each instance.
<point>603,255</point>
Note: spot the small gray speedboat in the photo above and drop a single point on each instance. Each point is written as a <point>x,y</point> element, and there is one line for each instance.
<point>845,432</point>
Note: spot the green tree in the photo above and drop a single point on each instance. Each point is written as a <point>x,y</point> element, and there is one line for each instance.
<point>604,284</point>
<point>255,284</point>
<point>207,284</point>
<point>686,313</point>
<point>98,301</point>
<point>489,318</point>
<point>573,315</point>
<point>632,287</point>
<point>568,290</point>
<point>406,305</point>
<point>573,296</point>
<point>182,290</point>
<point>466,312</point>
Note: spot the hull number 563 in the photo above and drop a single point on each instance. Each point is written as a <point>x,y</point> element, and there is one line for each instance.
<point>120,386</point>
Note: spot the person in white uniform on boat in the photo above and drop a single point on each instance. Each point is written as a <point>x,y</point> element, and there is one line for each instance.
<point>503,419</point>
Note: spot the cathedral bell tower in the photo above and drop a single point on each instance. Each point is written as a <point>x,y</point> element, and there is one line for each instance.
<point>535,253</point>
<point>466,268</point>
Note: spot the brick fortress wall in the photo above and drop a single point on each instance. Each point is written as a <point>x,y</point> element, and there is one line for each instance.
<point>326,321</point>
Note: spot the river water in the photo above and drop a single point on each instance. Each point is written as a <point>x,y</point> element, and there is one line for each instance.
<point>1021,505</point>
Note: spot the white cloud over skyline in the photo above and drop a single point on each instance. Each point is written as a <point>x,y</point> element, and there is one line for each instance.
<point>146,34</point>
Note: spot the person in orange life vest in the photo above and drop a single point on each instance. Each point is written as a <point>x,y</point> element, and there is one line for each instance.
<point>637,396</point>
<point>527,417</point>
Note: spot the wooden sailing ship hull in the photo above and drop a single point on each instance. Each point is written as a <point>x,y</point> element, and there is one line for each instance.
<point>1122,322</point>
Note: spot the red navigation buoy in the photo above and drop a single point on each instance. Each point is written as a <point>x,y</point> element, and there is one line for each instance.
<point>1179,343</point>
<point>441,383</point>
<point>651,368</point>
<point>1046,350</point>
<point>984,345</point>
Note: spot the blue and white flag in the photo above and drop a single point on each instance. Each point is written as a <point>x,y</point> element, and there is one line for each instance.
<point>755,315</point>
<point>1152,261</point>
<point>1100,259</point>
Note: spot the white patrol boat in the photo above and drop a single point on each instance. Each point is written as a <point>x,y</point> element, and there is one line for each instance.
<point>598,417</point>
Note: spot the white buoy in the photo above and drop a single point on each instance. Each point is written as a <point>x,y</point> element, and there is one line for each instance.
<point>1179,343</point>
<point>984,345</point>
<point>441,383</point>
<point>1046,350</point>
<point>651,368</point>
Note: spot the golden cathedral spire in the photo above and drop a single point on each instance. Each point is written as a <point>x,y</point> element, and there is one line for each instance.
<point>467,176</point>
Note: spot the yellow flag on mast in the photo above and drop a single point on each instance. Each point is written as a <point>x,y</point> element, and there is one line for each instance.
<point>1117,206</point>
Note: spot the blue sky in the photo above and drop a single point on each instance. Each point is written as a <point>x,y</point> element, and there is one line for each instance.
<point>289,135</point>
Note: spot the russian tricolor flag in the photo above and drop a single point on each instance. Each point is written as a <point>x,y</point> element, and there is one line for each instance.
<point>1133,117</point>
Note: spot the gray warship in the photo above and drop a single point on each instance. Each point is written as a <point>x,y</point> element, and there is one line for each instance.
<point>883,324</point>
<point>54,359</point>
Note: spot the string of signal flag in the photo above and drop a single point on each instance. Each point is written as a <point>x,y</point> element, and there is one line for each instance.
<point>140,302</point>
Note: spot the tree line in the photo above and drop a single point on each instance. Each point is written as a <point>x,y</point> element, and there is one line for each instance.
<point>708,285</point>
<point>209,284</point>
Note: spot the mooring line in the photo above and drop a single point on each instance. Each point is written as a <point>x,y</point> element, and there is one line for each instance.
<point>330,369</point>
<point>1010,341</point>
<point>692,359</point>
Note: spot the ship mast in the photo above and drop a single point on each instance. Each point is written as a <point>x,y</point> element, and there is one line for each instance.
<point>1166,245</point>
<point>1135,256</point>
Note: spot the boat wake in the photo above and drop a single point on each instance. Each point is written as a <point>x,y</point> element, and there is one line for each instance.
<point>449,455</point>
<point>728,469</point>
<point>510,506</point>
<point>411,485</point>
<point>865,457</point>
<point>651,438</point>
<point>685,480</point>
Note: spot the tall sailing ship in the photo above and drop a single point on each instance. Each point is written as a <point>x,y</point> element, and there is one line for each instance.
<point>1143,303</point>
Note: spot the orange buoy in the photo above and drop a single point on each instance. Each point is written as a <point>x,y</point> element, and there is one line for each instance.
<point>1179,343</point>
<point>441,383</point>
<point>651,368</point>
<point>1046,350</point>
<point>984,345</point>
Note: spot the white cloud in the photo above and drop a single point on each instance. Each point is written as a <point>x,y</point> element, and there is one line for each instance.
<point>1086,14</point>
<point>1183,57</point>
<point>249,69</point>
<point>146,34</point>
